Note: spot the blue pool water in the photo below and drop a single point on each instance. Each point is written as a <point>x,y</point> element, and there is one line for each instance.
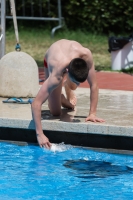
<point>32,173</point>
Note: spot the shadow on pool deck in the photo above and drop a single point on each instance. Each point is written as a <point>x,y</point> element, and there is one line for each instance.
<point>114,106</point>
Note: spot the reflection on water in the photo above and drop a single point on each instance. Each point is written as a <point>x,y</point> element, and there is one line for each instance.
<point>96,169</point>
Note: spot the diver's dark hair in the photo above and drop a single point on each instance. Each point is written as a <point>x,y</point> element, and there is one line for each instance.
<point>78,69</point>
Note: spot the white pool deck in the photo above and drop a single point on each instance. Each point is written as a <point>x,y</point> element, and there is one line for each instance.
<point>114,106</point>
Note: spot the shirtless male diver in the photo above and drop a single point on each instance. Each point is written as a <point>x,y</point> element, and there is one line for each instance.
<point>72,60</point>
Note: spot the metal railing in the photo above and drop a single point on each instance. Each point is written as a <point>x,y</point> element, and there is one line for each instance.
<point>3,11</point>
<point>59,19</point>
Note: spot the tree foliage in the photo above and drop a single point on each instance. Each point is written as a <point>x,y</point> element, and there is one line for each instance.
<point>99,16</point>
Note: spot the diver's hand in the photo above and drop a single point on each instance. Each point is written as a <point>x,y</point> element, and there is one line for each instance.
<point>43,141</point>
<point>94,118</point>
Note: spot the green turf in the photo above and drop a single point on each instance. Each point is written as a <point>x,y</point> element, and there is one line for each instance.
<point>35,42</point>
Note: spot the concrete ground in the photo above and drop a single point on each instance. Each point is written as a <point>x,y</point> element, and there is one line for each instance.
<point>115,106</point>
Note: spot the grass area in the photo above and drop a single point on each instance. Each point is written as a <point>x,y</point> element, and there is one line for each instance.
<point>35,42</point>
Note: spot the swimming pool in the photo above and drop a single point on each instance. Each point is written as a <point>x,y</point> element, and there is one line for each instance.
<point>29,172</point>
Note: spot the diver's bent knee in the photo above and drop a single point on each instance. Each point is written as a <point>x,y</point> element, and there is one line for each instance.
<point>56,113</point>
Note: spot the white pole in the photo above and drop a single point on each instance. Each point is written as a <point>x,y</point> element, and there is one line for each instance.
<point>13,13</point>
<point>2,31</point>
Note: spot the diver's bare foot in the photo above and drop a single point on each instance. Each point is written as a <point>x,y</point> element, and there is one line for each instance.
<point>65,103</point>
<point>70,95</point>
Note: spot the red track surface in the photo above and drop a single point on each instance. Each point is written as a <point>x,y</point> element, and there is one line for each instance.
<point>106,80</point>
